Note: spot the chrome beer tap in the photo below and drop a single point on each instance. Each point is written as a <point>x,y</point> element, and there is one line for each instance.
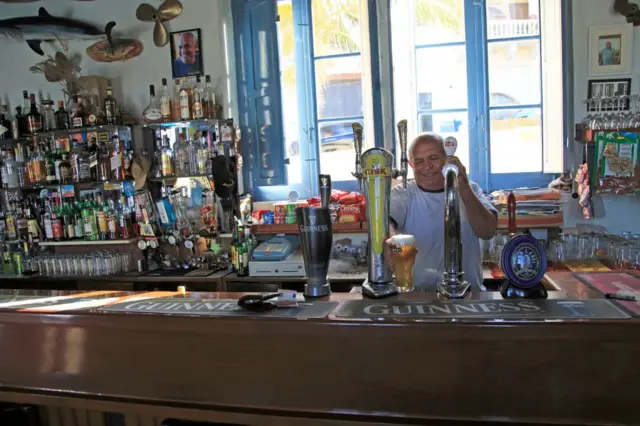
<point>404,160</point>
<point>357,144</point>
<point>453,285</point>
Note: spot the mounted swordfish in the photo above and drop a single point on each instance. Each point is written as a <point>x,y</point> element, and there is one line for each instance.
<point>44,27</point>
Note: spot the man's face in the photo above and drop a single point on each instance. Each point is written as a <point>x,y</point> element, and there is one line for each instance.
<point>427,162</point>
<point>188,48</point>
<point>608,45</point>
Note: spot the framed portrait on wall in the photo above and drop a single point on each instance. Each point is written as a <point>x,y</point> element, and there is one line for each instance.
<point>186,53</point>
<point>607,89</point>
<point>610,49</point>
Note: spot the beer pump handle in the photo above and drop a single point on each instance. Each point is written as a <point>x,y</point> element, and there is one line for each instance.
<point>511,212</point>
<point>325,190</point>
<point>357,144</point>
<point>450,147</point>
<point>404,160</point>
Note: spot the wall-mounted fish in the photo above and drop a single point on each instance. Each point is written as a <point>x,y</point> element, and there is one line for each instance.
<point>44,27</point>
<point>121,50</point>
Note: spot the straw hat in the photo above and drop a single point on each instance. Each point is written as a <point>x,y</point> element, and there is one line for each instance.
<point>139,170</point>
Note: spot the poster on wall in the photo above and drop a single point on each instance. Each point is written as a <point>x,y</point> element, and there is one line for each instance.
<point>186,53</point>
<point>610,49</point>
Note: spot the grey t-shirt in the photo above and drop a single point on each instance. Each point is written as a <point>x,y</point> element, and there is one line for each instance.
<point>421,214</point>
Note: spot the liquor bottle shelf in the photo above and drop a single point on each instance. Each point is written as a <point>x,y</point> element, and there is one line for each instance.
<point>169,178</point>
<point>337,228</point>
<point>87,243</point>
<point>105,128</point>
<point>182,123</point>
<point>58,185</point>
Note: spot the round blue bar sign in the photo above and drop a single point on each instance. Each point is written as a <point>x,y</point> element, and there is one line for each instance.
<point>524,261</point>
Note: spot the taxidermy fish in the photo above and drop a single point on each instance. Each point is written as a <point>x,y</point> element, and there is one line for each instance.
<point>120,50</point>
<point>44,27</point>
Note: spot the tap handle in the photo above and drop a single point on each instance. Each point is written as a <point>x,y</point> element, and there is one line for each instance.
<point>325,190</point>
<point>404,161</point>
<point>357,144</point>
<point>511,212</point>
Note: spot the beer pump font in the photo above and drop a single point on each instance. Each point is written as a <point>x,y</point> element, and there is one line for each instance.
<point>375,171</point>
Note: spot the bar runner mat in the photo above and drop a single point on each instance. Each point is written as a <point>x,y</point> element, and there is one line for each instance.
<point>481,309</point>
<point>619,283</point>
<point>219,307</point>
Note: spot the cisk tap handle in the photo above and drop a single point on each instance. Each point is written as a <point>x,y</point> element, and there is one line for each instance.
<point>325,190</point>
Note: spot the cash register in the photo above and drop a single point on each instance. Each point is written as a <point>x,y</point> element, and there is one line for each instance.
<point>279,256</point>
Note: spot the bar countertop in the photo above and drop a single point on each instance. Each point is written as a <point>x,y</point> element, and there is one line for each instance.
<point>407,372</point>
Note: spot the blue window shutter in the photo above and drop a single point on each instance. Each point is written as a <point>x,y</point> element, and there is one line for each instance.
<point>259,96</point>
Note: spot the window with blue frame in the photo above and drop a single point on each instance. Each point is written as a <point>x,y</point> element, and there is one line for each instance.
<point>475,71</point>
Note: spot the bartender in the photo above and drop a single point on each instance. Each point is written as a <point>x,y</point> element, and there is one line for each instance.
<point>419,210</point>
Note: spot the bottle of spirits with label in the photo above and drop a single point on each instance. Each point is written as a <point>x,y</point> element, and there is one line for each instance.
<point>49,115</point>
<point>21,114</point>
<point>79,118</point>
<point>209,99</point>
<point>110,107</point>
<point>152,112</point>
<point>35,120</point>
<point>64,170</point>
<point>175,101</point>
<point>181,156</point>
<point>165,102</point>
<point>5,125</point>
<point>62,117</point>
<point>198,100</point>
<point>117,162</point>
<point>185,104</point>
<point>104,163</point>
<point>166,159</point>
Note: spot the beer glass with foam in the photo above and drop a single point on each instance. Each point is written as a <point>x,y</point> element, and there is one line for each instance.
<point>403,256</point>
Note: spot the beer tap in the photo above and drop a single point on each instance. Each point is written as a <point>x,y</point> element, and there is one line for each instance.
<point>404,160</point>
<point>357,143</point>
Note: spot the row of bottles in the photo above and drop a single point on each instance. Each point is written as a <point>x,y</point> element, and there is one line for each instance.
<point>242,249</point>
<point>17,259</point>
<point>185,103</point>
<point>30,119</point>
<point>55,161</point>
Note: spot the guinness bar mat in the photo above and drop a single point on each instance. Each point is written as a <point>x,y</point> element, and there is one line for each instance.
<point>481,309</point>
<point>218,307</point>
<point>617,283</point>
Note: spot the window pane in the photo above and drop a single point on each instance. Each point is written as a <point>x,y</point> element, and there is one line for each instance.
<point>337,154</point>
<point>448,124</point>
<point>289,88</point>
<point>339,87</point>
<point>513,18</point>
<point>516,141</point>
<point>441,78</point>
<point>439,21</point>
<point>514,73</point>
<point>336,26</point>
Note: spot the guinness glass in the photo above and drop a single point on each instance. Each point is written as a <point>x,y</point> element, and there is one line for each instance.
<point>403,256</point>
<point>316,238</point>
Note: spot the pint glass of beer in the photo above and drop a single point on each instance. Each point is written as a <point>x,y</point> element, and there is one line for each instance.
<point>403,256</point>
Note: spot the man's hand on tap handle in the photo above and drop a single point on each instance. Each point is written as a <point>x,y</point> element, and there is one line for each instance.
<point>462,170</point>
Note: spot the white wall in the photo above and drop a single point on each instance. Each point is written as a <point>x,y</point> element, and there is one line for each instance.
<point>131,79</point>
<point>617,213</point>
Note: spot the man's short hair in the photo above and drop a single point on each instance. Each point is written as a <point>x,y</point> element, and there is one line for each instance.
<point>425,137</point>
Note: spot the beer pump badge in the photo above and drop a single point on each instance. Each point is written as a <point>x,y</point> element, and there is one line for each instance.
<point>524,261</point>
<point>378,175</point>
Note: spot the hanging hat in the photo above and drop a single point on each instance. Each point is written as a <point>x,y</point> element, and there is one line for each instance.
<point>222,176</point>
<point>139,170</point>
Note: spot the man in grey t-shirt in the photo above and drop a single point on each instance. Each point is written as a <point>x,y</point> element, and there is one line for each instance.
<point>419,211</point>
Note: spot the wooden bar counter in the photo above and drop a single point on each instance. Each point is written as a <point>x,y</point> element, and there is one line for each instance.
<point>278,371</point>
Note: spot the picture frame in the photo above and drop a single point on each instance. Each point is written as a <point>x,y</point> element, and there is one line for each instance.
<point>610,49</point>
<point>186,53</point>
<point>608,88</point>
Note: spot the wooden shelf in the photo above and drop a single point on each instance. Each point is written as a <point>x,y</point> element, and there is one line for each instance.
<point>338,228</point>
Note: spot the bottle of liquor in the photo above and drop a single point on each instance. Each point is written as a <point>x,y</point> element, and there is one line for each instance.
<point>117,162</point>
<point>124,219</point>
<point>102,212</point>
<point>181,156</point>
<point>104,163</point>
<point>112,221</point>
<point>49,115</point>
<point>166,159</point>
<point>209,99</point>
<point>78,221</point>
<point>50,166</point>
<point>21,114</point>
<point>165,102</point>
<point>32,224</point>
<point>69,220</point>
<point>79,118</point>
<point>110,106</point>
<point>89,220</point>
<point>185,110</point>
<point>175,101</point>
<point>5,125</point>
<point>202,155</point>
<point>56,223</point>
<point>198,100</point>
<point>251,241</point>
<point>62,117</point>
<point>64,170</point>
<point>35,120</point>
<point>151,113</point>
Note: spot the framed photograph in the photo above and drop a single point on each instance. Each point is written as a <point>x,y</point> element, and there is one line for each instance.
<point>608,88</point>
<point>186,53</point>
<point>610,49</point>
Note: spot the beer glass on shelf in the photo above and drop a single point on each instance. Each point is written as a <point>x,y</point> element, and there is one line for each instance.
<point>403,256</point>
